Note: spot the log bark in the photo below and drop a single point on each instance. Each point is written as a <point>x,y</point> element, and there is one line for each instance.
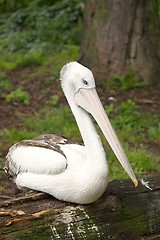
<point>120,35</point>
<point>123,212</point>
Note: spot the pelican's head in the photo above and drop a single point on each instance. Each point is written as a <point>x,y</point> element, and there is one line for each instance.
<point>75,76</point>
<point>78,84</point>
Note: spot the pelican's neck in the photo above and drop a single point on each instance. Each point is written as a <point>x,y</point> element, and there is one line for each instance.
<point>91,139</point>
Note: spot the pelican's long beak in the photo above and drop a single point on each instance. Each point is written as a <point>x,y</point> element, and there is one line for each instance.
<point>88,99</point>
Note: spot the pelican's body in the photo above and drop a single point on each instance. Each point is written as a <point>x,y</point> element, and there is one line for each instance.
<point>68,171</point>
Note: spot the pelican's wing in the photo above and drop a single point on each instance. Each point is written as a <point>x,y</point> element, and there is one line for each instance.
<point>42,155</point>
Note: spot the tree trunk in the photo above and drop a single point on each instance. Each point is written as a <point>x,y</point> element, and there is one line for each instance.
<point>120,35</point>
<point>123,212</point>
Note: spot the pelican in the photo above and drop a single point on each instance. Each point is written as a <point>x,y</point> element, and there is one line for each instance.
<point>69,171</point>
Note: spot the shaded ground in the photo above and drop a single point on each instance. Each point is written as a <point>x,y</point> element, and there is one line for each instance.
<point>41,89</point>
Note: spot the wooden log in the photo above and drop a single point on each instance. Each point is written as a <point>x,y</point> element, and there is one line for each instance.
<point>123,212</point>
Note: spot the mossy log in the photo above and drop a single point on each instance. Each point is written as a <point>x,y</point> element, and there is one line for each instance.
<point>123,212</point>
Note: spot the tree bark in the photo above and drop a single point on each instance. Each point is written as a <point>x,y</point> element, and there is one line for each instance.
<point>123,212</point>
<point>119,35</point>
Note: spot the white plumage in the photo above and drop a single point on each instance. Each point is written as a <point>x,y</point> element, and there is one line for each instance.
<point>69,171</point>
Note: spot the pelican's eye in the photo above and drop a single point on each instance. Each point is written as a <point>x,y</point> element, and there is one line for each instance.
<point>84,81</point>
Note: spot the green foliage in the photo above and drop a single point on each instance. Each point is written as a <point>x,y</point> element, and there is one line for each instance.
<point>30,59</point>
<point>154,132</point>
<point>33,31</point>
<point>15,135</point>
<point>133,124</point>
<point>18,95</point>
<point>128,81</point>
<point>54,100</point>
<point>10,6</point>
<point>10,61</point>
<point>55,120</point>
<point>49,80</point>
<point>5,85</point>
<point>3,76</point>
<point>51,63</point>
<point>142,161</point>
<point>127,114</point>
<point>38,26</point>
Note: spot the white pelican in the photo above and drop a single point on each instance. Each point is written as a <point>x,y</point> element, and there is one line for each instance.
<point>70,171</point>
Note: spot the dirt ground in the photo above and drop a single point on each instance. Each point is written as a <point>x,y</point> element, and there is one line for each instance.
<point>10,113</point>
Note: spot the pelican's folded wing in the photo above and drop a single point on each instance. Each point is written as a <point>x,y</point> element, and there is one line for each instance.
<point>41,155</point>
